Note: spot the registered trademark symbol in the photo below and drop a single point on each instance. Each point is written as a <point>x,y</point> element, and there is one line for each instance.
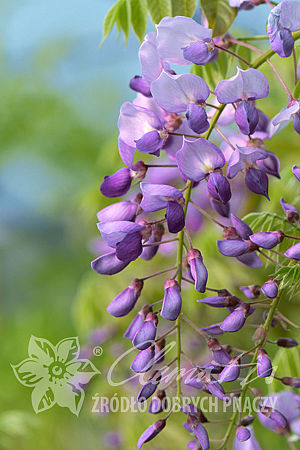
<point>97,350</point>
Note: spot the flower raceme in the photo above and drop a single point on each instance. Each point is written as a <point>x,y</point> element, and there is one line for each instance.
<point>197,142</point>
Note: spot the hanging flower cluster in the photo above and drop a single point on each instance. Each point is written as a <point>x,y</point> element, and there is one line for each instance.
<point>177,120</point>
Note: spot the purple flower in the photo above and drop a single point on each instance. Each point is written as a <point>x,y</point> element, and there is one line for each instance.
<point>172,302</point>
<point>161,196</point>
<point>156,236</point>
<point>183,93</point>
<point>219,187</point>
<point>251,291</point>
<point>108,264</point>
<point>250,444</point>
<point>140,129</point>
<point>220,302</point>
<point>246,85</point>
<point>230,372</point>
<point>145,335</point>
<point>149,387</point>
<point>197,158</point>
<point>257,181</point>
<point>137,322</point>
<point>235,321</point>
<point>157,404</point>
<point>285,116</point>
<point>151,432</point>
<point>139,84</point>
<point>264,365</point>
<point>181,40</point>
<point>286,403</point>
<point>125,237</point>
<point>270,164</point>
<point>286,342</point>
<point>198,269</point>
<point>246,117</point>
<point>213,329</point>
<point>267,239</point>
<point>241,227</point>
<point>270,289</point>
<point>220,355</point>
<point>290,211</point>
<point>117,184</point>
<point>282,20</point>
<point>144,360</point>
<point>242,434</point>
<point>234,247</point>
<point>273,415</point>
<point>291,381</point>
<point>124,302</point>
<point>199,431</point>
<point>296,172</point>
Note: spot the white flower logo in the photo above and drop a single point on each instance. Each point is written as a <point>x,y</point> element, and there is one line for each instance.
<point>55,373</point>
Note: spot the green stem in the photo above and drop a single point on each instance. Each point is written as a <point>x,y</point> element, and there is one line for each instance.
<point>179,280</point>
<point>249,377</point>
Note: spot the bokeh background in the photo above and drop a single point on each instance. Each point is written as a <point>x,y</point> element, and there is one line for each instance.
<point>59,101</point>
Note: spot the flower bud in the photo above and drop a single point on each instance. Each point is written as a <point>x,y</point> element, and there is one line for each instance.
<point>264,365</point>
<point>267,239</point>
<point>149,387</point>
<point>251,291</point>
<point>233,247</point>
<point>291,381</point>
<point>290,211</point>
<point>275,415</point>
<point>117,184</point>
<point>172,301</point>
<point>199,431</point>
<point>243,230</point>
<point>125,210</point>
<point>144,360</point>
<point>125,301</point>
<point>270,288</point>
<point>236,319</point>
<point>108,264</point>
<point>294,252</point>
<point>139,84</point>
<point>151,432</point>
<point>160,350</point>
<point>158,402</point>
<point>194,411</point>
<point>248,420</point>
<point>286,342</point>
<point>198,269</point>
<point>296,172</point>
<point>230,372</point>
<point>145,335</point>
<point>221,208</point>
<point>156,236</point>
<point>219,353</point>
<point>213,329</point>
<point>220,302</point>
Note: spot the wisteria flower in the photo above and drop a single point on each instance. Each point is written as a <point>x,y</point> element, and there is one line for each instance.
<point>243,88</point>
<point>181,40</point>
<point>290,113</point>
<point>161,196</point>
<point>282,20</point>
<point>183,93</point>
<point>197,158</point>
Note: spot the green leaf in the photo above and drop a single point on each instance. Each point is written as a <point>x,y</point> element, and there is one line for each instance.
<point>219,14</point>
<point>297,90</point>
<point>139,17</point>
<point>184,7</point>
<point>123,17</point>
<point>159,9</point>
<point>110,20</point>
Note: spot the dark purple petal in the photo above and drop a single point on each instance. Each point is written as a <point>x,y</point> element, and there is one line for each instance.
<point>219,188</point>
<point>286,342</point>
<point>220,302</point>
<point>290,211</point>
<point>157,404</point>
<point>157,196</point>
<point>175,217</point>
<point>124,302</point>
<point>108,264</point>
<point>197,52</point>
<point>267,239</point>
<point>201,434</point>
<point>220,207</point>
<point>172,302</point>
<point>197,118</point>
<point>241,227</point>
<point>198,269</point>
<point>150,142</point>
<point>269,165</point>
<point>117,184</point>
<point>257,181</point>
<point>213,329</point>
<point>134,326</point>
<point>246,117</point>
<point>250,260</point>
<point>139,84</point>
<point>251,291</point>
